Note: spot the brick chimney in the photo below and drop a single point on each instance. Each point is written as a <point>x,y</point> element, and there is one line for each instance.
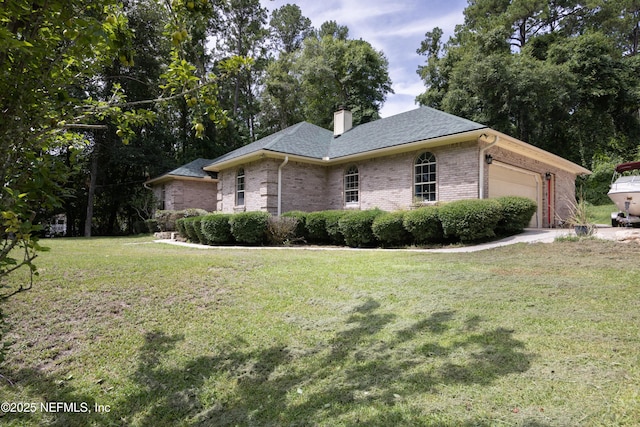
<point>342,122</point>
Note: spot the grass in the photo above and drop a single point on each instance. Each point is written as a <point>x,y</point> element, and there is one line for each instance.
<point>601,214</point>
<point>535,335</point>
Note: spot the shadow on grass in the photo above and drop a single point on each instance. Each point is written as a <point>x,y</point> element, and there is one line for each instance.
<point>355,378</point>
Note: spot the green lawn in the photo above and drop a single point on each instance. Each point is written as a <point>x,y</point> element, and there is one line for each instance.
<point>528,335</point>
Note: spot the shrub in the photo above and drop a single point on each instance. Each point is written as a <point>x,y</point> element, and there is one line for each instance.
<point>281,230</point>
<point>249,227</point>
<point>190,231</point>
<point>216,228</point>
<point>151,225</point>
<point>424,225</point>
<point>316,227</point>
<point>470,220</point>
<point>197,228</point>
<point>301,225</point>
<point>332,226</point>
<point>167,218</point>
<point>181,227</point>
<point>516,214</point>
<point>355,226</point>
<point>389,229</point>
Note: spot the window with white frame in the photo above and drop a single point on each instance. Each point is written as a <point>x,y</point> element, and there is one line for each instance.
<point>425,178</point>
<point>240,187</point>
<point>351,185</point>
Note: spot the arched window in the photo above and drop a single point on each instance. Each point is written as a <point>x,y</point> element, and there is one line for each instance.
<point>351,185</point>
<point>240,187</point>
<point>425,178</point>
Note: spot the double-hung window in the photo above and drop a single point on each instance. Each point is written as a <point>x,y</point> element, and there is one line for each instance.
<point>240,187</point>
<point>351,185</point>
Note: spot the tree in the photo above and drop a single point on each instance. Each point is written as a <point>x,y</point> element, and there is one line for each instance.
<point>50,52</point>
<point>289,28</point>
<point>339,72</point>
<point>543,71</point>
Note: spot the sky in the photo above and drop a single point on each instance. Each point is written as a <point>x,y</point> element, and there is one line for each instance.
<point>395,27</point>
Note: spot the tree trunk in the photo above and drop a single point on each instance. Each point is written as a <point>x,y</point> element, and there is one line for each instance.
<point>92,190</point>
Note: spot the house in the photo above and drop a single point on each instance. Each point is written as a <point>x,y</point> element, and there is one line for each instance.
<point>419,157</point>
<point>188,186</point>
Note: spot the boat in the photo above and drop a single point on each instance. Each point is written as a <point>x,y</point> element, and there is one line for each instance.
<point>625,193</point>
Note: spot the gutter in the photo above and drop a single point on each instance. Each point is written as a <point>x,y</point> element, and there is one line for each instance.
<point>282,165</point>
<point>481,165</point>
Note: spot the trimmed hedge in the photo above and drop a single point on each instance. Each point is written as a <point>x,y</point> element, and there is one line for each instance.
<point>424,225</point>
<point>389,229</point>
<point>197,228</point>
<point>355,226</point>
<point>189,229</point>
<point>470,220</point>
<point>249,227</point>
<point>167,218</point>
<point>322,227</point>
<point>216,228</point>
<point>516,214</point>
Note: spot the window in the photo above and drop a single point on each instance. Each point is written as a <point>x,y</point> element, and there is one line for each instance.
<point>163,197</point>
<point>351,185</point>
<point>240,187</point>
<point>425,178</point>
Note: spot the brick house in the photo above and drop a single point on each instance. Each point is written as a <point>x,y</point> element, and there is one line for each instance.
<point>419,157</point>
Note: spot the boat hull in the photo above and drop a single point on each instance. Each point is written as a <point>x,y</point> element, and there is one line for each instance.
<point>622,193</point>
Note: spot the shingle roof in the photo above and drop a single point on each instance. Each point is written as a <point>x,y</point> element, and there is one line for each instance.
<point>192,169</point>
<point>308,140</point>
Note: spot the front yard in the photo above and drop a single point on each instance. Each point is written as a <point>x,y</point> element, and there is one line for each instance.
<point>129,332</point>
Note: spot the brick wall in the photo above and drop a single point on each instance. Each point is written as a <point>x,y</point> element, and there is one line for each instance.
<point>181,194</point>
<point>260,187</point>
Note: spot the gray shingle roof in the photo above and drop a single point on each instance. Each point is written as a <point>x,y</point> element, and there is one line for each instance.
<point>308,140</point>
<point>191,170</point>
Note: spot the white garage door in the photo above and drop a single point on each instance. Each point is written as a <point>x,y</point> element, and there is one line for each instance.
<point>506,180</point>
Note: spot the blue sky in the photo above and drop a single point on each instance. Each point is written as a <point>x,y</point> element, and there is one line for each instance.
<point>396,27</point>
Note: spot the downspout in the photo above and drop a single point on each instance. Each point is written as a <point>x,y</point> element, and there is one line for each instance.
<point>282,165</point>
<point>481,164</point>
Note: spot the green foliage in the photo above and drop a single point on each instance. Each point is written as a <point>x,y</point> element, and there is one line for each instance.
<point>560,76</point>
<point>216,228</point>
<point>180,226</point>
<point>516,214</point>
<point>470,220</point>
<point>190,230</point>
<point>424,225</point>
<point>389,229</point>
<point>196,222</point>
<point>249,227</point>
<point>355,226</point>
<point>316,227</point>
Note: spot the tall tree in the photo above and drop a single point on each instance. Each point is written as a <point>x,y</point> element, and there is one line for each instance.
<point>337,72</point>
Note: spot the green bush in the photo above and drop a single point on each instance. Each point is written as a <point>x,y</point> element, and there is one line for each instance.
<point>332,226</point>
<point>189,228</point>
<point>424,225</point>
<point>316,227</point>
<point>216,228</point>
<point>167,218</point>
<point>516,214</point>
<point>470,220</point>
<point>197,229</point>
<point>355,226</point>
<point>389,229</point>
<point>151,225</point>
<point>179,225</point>
<point>301,224</point>
<point>249,227</point>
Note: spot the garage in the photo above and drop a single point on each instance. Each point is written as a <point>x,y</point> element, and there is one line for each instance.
<point>507,180</point>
